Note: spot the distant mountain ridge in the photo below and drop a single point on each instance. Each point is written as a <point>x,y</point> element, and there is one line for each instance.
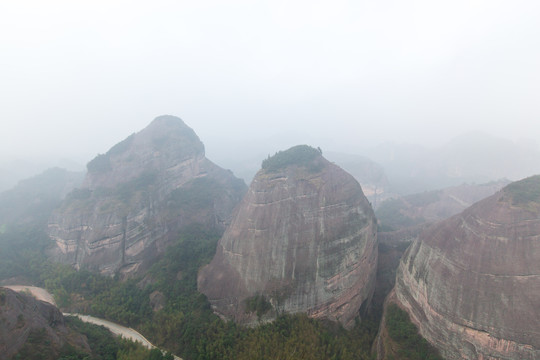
<point>471,158</point>
<point>33,199</point>
<point>431,206</point>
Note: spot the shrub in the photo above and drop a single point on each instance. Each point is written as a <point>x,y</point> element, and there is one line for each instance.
<point>524,191</point>
<point>301,155</point>
<point>259,304</point>
<point>411,344</point>
<point>99,164</point>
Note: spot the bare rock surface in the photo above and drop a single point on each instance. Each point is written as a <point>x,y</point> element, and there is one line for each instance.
<point>22,316</point>
<point>303,239</point>
<point>136,198</point>
<point>472,283</point>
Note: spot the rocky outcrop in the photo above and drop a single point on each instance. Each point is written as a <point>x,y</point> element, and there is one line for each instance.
<point>472,283</point>
<point>138,196</point>
<point>302,240</point>
<point>25,319</point>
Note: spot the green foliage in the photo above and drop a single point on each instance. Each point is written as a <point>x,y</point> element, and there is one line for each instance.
<point>20,247</point>
<point>198,194</point>
<point>300,155</point>
<point>390,215</point>
<point>103,345</point>
<point>299,337</point>
<point>102,162</point>
<point>37,347</point>
<point>524,191</point>
<point>187,325</point>
<point>143,184</point>
<point>258,304</point>
<point>106,347</point>
<point>122,146</point>
<point>99,164</point>
<point>411,344</point>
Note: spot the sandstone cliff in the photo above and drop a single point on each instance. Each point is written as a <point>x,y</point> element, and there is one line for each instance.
<point>303,240</point>
<point>26,320</point>
<point>137,196</point>
<point>472,283</point>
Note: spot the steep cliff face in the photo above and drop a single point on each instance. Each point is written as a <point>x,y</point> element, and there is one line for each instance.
<point>472,282</point>
<point>27,320</point>
<point>303,240</point>
<point>137,196</point>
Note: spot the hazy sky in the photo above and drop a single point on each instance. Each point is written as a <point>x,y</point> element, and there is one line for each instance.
<point>78,76</point>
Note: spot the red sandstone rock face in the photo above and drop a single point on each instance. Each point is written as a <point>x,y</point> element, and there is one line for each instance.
<point>305,240</point>
<point>472,282</point>
<point>136,198</point>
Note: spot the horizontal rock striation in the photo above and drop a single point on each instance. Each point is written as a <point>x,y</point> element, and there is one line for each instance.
<point>303,238</point>
<point>472,282</point>
<point>136,198</point>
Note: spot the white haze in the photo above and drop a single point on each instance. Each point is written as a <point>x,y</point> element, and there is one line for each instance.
<point>76,77</point>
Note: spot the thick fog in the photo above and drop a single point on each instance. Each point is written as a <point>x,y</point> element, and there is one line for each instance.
<point>77,77</point>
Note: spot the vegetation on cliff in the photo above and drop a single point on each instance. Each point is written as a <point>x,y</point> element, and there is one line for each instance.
<point>103,346</point>
<point>300,155</point>
<point>411,345</point>
<point>525,191</point>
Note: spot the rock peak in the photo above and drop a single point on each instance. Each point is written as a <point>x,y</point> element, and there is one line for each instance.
<point>134,201</point>
<point>169,123</point>
<point>302,240</point>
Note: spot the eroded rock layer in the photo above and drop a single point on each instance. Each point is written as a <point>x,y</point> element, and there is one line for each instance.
<point>137,196</point>
<point>472,282</point>
<point>303,239</point>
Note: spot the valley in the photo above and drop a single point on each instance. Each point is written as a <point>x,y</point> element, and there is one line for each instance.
<point>159,242</point>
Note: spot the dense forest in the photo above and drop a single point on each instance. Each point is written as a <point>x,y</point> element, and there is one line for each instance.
<point>410,345</point>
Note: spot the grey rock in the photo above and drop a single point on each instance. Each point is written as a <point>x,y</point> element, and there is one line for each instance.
<point>304,238</point>
<point>138,196</point>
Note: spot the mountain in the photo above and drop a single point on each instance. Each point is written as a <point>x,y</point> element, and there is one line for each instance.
<point>16,168</point>
<point>30,326</point>
<point>431,206</point>
<point>33,200</point>
<point>137,196</point>
<point>472,282</point>
<point>302,240</point>
<point>470,158</point>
